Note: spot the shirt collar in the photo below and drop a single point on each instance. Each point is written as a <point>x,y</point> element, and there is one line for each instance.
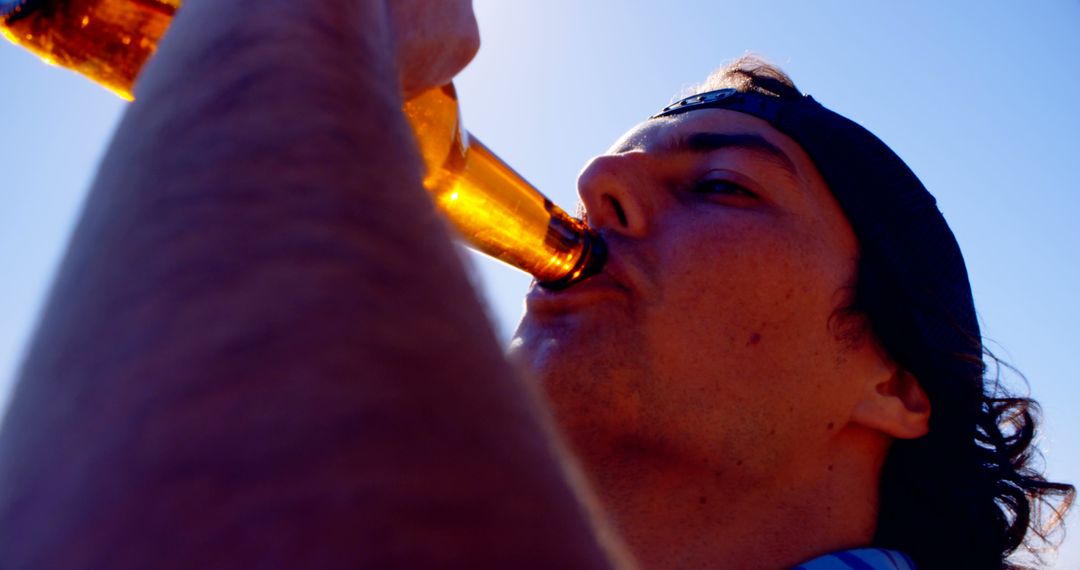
<point>860,559</point>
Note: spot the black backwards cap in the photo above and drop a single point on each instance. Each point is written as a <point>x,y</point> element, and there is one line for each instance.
<point>894,218</point>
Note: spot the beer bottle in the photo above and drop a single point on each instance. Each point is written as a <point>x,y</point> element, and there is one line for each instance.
<point>493,208</point>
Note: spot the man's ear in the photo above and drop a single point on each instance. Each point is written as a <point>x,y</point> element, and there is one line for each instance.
<point>895,405</point>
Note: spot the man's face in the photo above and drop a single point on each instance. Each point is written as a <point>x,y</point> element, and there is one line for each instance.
<point>713,334</point>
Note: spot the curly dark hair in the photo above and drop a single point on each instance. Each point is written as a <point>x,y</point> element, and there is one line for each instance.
<point>970,493</point>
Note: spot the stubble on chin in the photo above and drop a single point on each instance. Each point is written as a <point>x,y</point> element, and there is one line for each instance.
<point>591,381</point>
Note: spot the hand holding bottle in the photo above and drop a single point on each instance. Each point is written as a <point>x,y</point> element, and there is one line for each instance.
<point>434,40</point>
<point>413,47</point>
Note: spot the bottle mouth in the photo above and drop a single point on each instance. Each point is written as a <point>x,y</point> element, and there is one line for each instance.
<point>593,256</point>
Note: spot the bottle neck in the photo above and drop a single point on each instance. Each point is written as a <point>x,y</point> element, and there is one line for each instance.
<point>593,256</point>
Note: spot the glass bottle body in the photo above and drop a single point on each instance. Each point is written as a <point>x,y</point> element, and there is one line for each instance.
<point>494,209</point>
<point>108,41</point>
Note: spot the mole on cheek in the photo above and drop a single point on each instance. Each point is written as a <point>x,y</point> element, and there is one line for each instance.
<point>754,339</point>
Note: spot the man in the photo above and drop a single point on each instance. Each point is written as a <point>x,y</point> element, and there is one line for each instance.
<point>785,359</point>
<point>244,362</point>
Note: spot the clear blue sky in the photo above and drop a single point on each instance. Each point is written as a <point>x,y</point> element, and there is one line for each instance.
<point>979,97</point>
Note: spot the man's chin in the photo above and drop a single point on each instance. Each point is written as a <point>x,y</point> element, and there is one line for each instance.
<point>534,349</point>
<point>588,373</point>
<point>544,343</point>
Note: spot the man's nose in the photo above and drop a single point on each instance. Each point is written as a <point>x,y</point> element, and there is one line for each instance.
<point>611,190</point>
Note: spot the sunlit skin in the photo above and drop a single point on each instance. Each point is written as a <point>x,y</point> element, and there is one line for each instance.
<point>722,407</point>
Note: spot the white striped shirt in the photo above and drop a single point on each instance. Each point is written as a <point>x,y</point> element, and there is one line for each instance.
<point>860,559</point>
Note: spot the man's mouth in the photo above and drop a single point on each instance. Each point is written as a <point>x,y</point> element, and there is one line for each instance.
<point>597,290</point>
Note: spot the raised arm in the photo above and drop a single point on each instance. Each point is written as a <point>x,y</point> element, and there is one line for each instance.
<point>261,350</point>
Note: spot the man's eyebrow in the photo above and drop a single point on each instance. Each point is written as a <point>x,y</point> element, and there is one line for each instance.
<point>707,142</point>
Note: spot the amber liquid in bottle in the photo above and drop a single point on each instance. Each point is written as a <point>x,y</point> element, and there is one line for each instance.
<point>105,40</point>
<point>493,208</point>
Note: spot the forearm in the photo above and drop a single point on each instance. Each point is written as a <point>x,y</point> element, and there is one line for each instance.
<point>260,346</point>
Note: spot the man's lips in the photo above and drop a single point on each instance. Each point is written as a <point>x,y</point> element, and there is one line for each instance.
<point>605,286</point>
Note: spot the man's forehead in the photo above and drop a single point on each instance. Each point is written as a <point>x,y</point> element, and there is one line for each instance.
<point>708,130</point>
<point>670,132</point>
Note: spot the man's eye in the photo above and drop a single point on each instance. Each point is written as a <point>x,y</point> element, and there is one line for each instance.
<point>721,187</point>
